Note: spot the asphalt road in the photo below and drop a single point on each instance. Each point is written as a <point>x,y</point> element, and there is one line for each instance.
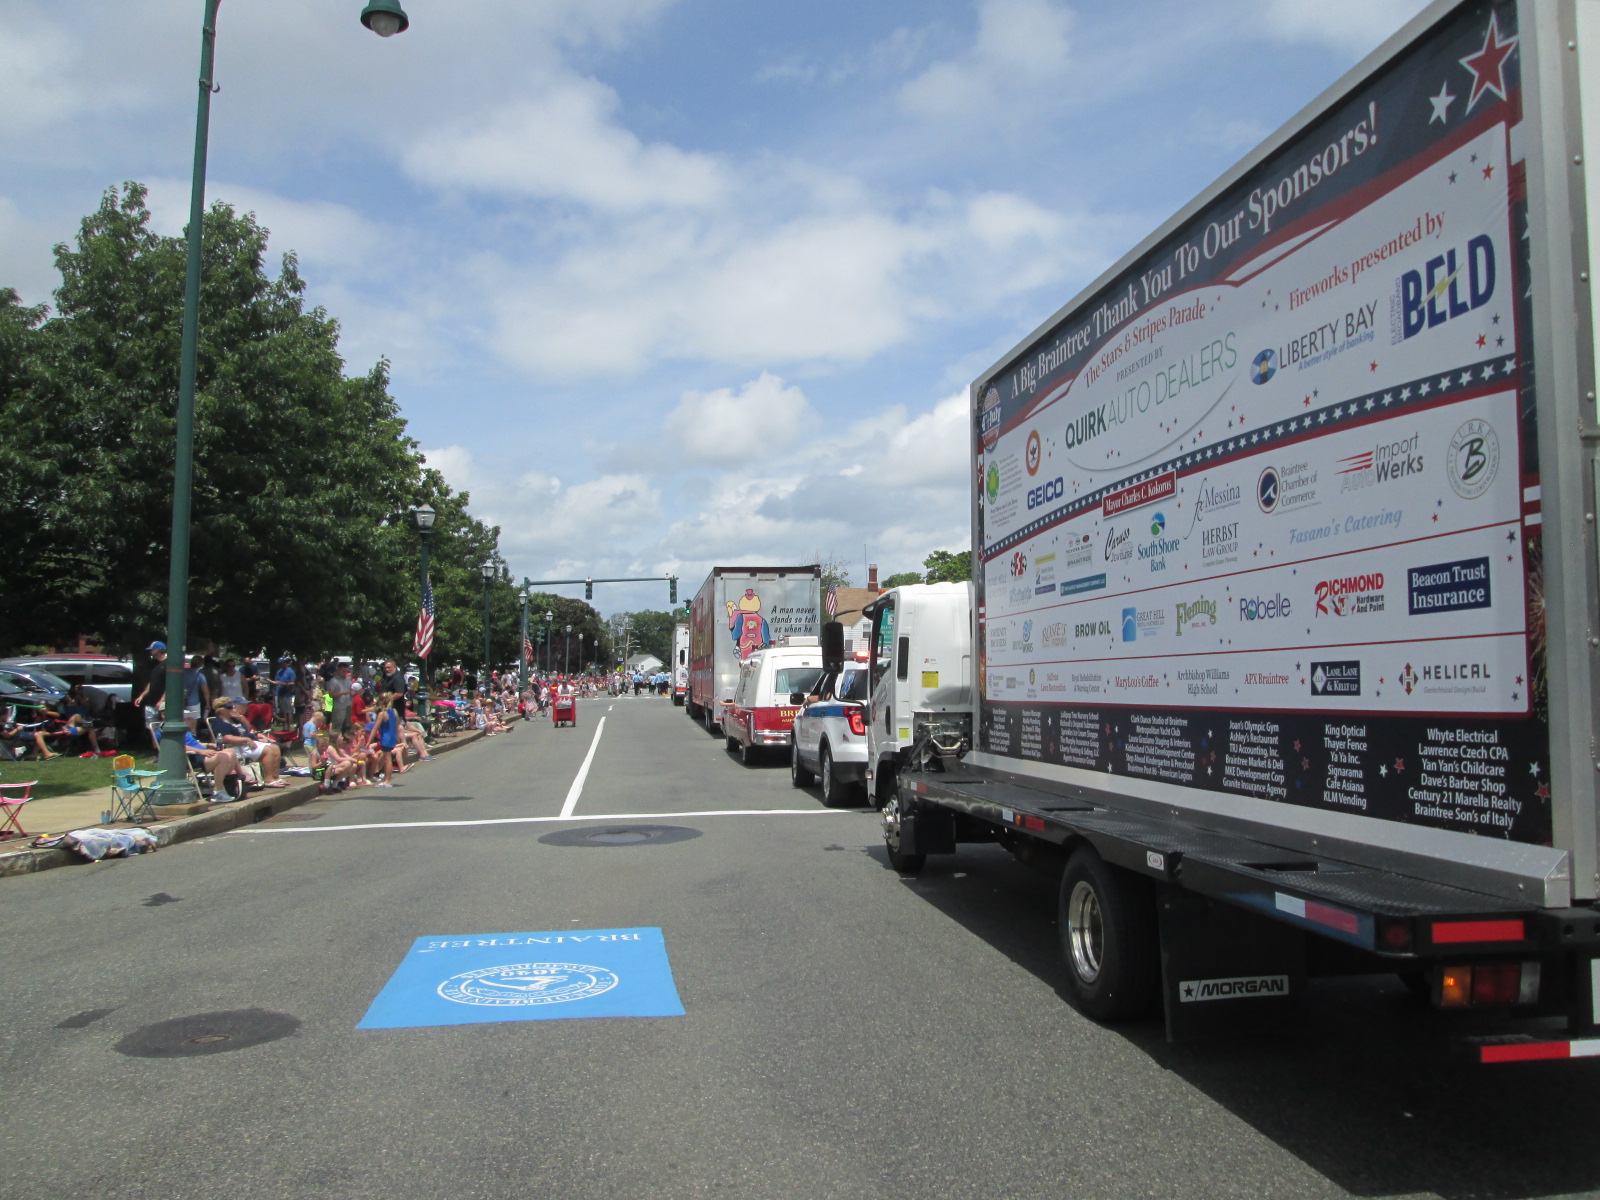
<point>846,1033</point>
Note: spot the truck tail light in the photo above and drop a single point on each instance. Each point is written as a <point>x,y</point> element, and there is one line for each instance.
<point>858,722</point>
<point>1489,985</point>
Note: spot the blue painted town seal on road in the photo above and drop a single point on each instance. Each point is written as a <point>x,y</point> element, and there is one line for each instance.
<point>527,983</point>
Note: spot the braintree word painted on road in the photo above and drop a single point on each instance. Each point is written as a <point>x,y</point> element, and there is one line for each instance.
<point>470,979</point>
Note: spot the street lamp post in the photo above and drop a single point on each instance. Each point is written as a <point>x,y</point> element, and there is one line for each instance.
<point>385,18</point>
<point>549,645</point>
<point>487,570</point>
<point>522,649</point>
<point>424,516</point>
<point>566,652</point>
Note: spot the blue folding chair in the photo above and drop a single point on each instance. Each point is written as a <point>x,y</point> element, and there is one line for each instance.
<point>130,790</point>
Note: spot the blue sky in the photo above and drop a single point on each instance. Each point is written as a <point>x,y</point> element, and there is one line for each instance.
<point>667,283</point>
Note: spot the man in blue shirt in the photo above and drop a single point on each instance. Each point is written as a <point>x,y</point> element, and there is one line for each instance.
<point>283,684</point>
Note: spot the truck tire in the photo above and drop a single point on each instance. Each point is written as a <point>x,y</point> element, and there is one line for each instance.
<point>798,775</point>
<point>1107,920</point>
<point>893,808</point>
<point>749,756</point>
<point>835,793</point>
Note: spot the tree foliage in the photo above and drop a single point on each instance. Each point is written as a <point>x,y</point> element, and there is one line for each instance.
<point>949,566</point>
<point>901,579</point>
<point>303,476</point>
<point>648,632</point>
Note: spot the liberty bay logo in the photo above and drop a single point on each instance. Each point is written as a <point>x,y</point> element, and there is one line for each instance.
<point>522,984</point>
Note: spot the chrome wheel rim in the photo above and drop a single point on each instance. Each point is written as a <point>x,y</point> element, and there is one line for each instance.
<point>825,774</point>
<point>1085,931</point>
<point>891,822</point>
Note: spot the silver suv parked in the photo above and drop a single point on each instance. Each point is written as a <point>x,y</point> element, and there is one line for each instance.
<point>113,676</point>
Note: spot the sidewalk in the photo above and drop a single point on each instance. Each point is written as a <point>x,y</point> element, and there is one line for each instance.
<point>83,810</point>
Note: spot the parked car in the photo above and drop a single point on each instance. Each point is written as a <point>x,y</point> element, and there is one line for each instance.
<point>113,676</point>
<point>830,740</point>
<point>31,686</point>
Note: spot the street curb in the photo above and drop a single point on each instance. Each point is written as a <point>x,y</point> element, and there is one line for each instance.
<point>219,819</point>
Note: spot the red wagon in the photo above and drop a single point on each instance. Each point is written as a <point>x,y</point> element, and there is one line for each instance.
<point>563,709</point>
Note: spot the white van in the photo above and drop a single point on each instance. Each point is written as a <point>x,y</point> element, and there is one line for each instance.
<point>773,683</point>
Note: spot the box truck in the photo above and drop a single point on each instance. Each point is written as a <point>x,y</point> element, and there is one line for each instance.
<point>1283,629</point>
<point>737,611</point>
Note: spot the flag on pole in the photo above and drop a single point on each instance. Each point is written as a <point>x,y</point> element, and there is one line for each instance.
<point>833,602</point>
<point>424,639</point>
<point>527,650</point>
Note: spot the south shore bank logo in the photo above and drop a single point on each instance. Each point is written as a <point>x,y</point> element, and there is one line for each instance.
<point>520,985</point>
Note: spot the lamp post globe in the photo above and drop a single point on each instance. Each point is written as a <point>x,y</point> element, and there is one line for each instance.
<point>385,17</point>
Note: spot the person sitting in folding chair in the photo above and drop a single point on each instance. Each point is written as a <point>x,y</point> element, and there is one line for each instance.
<point>17,736</point>
<point>221,765</point>
<point>230,733</point>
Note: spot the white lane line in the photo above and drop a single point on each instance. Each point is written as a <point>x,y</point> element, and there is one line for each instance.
<point>576,789</point>
<point>653,816</point>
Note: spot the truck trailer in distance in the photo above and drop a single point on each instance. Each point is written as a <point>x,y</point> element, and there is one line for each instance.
<point>737,611</point>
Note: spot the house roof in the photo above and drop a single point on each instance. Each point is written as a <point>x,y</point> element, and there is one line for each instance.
<point>852,601</point>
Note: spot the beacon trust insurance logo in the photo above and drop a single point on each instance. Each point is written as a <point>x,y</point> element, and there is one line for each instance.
<point>521,984</point>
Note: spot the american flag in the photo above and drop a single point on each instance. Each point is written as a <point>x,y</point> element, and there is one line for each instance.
<point>833,602</point>
<point>527,650</point>
<point>424,639</point>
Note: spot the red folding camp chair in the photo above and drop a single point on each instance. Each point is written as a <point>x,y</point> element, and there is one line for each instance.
<point>12,797</point>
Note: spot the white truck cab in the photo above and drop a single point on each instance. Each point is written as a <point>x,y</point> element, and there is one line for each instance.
<point>773,683</point>
<point>920,678</point>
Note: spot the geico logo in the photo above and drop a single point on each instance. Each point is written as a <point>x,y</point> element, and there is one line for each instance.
<point>1257,609</point>
<point>1046,492</point>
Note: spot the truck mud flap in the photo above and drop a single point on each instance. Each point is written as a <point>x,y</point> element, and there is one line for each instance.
<point>928,830</point>
<point>1225,970</point>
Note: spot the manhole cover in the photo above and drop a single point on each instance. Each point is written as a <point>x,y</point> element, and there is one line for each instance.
<point>208,1033</point>
<point>620,835</point>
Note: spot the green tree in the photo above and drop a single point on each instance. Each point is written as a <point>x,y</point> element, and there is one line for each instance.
<point>949,566</point>
<point>299,534</point>
<point>553,645</point>
<point>901,579</point>
<point>649,632</point>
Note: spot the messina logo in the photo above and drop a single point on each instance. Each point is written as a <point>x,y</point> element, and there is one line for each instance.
<point>1350,595</point>
<point>1449,285</point>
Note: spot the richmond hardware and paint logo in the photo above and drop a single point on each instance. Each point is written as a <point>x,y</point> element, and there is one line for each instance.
<point>521,984</point>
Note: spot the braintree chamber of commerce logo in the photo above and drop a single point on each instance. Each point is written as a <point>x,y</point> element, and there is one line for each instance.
<point>522,984</point>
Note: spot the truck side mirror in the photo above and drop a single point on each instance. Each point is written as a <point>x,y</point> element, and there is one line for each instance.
<point>832,648</point>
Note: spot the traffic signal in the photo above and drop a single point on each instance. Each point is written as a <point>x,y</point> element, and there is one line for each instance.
<point>588,589</point>
<point>672,589</point>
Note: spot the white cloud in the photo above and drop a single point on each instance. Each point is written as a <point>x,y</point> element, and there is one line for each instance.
<point>1020,45</point>
<point>565,144</point>
<point>322,233</point>
<point>454,463</point>
<point>725,426</point>
<point>1353,26</point>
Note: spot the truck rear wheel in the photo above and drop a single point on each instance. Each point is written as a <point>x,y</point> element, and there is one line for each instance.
<point>1107,919</point>
<point>894,809</point>
<point>749,756</point>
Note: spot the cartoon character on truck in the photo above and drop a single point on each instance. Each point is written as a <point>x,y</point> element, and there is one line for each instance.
<point>746,625</point>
